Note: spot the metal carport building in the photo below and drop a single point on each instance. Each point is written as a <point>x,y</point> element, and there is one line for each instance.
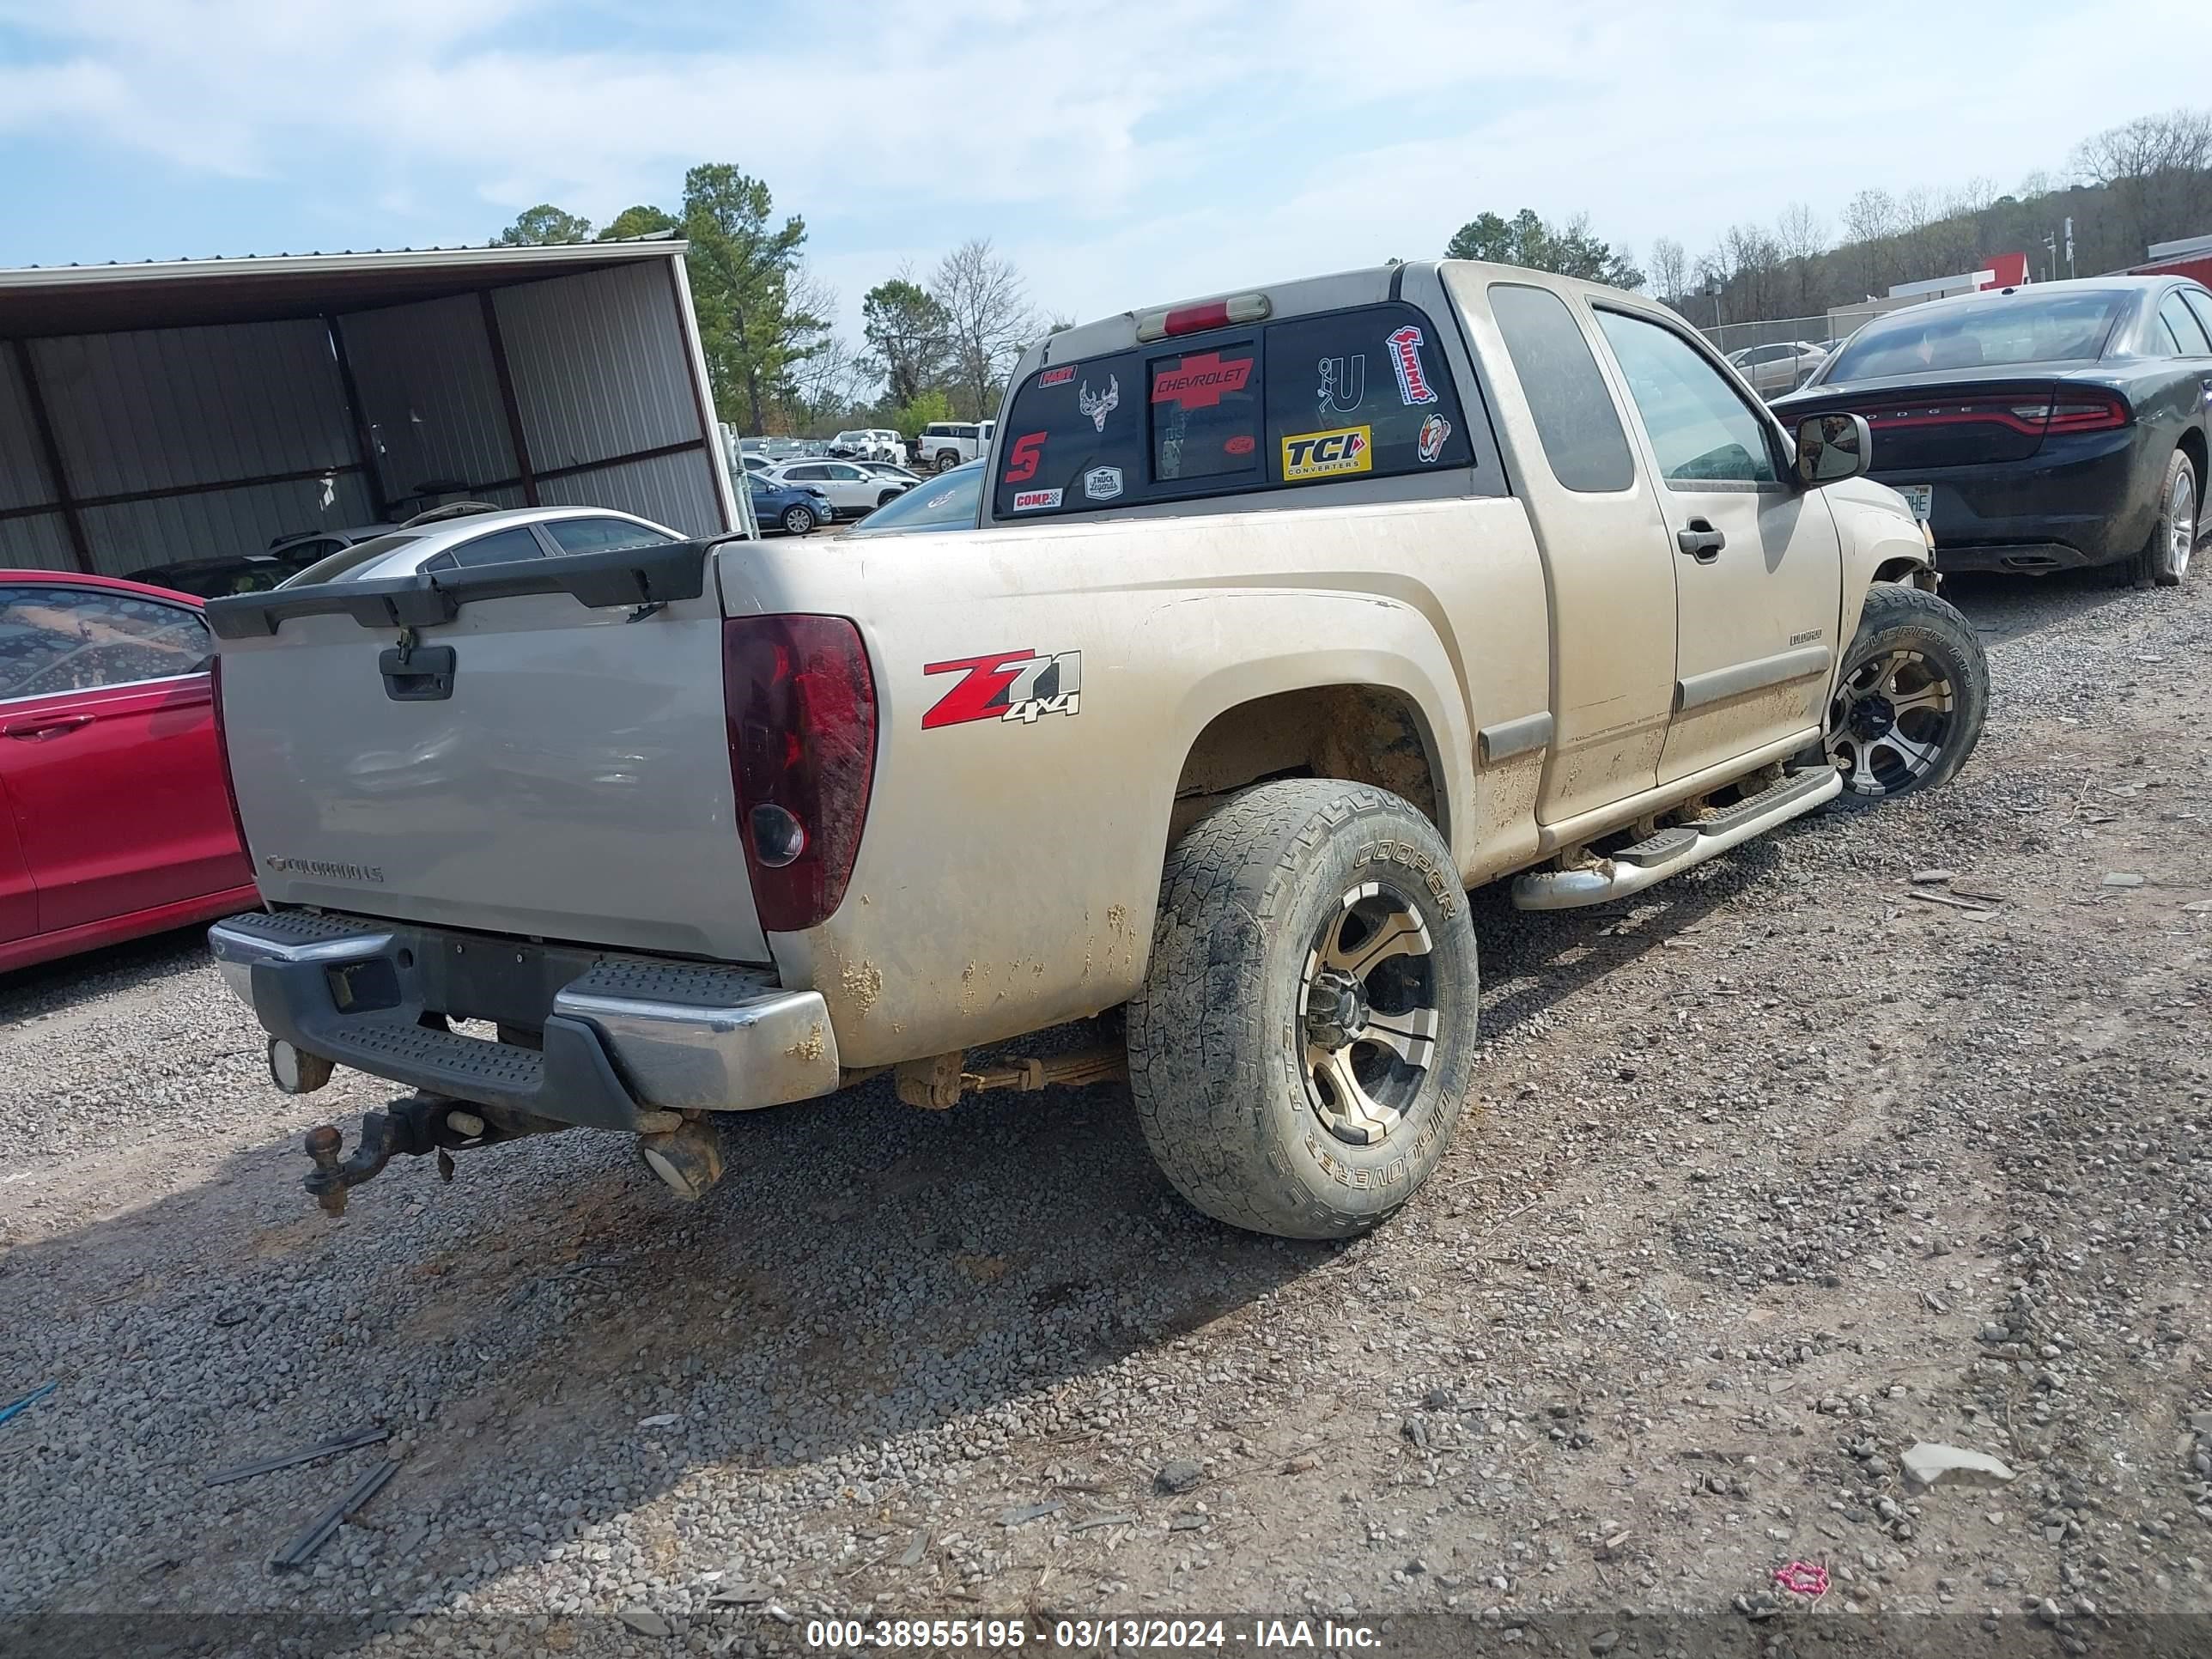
<point>199,408</point>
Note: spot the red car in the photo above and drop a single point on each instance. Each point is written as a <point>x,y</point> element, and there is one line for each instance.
<point>115,811</point>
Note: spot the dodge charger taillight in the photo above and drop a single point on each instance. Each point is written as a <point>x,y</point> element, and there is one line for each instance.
<point>802,723</point>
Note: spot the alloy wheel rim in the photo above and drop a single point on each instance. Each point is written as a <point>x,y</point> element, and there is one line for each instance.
<point>1889,722</point>
<point>2181,522</point>
<point>1368,1015</point>
<point>798,521</point>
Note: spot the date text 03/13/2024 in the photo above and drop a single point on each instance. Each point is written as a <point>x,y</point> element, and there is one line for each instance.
<point>1089,1635</point>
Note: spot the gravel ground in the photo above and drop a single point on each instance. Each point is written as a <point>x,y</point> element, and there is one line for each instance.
<point>1776,1170</point>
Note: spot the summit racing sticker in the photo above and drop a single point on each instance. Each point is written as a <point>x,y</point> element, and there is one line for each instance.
<point>1414,387</point>
<point>1198,382</point>
<point>1325,454</point>
<point>1007,685</point>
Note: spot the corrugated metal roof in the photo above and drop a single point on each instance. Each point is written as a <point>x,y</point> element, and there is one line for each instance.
<point>44,299</point>
<point>369,258</point>
<point>599,367</point>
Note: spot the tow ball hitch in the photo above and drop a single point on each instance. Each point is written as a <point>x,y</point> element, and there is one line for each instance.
<point>410,1126</point>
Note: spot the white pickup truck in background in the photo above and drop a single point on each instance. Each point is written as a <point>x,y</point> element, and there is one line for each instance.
<point>944,444</point>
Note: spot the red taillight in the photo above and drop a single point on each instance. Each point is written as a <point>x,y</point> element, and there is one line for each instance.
<point>802,722</point>
<point>2031,412</point>
<point>2086,411</point>
<point>222,752</point>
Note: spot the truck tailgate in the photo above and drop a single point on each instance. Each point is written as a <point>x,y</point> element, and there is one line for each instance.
<point>572,782</point>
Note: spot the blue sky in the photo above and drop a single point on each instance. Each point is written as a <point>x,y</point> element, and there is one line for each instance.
<point>1123,152</point>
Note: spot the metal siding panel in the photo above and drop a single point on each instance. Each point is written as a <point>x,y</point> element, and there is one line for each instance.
<point>39,543</point>
<point>132,535</point>
<point>429,393</point>
<point>155,409</point>
<point>676,490</point>
<point>599,365</point>
<point>23,481</point>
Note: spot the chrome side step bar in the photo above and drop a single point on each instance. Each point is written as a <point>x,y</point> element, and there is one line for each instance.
<point>1678,847</point>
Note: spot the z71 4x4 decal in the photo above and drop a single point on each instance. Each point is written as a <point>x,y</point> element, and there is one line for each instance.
<point>1007,685</point>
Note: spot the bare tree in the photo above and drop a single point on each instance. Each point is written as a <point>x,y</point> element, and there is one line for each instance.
<point>1803,237</point>
<point>1670,268</point>
<point>1871,222</point>
<point>1754,260</point>
<point>2156,169</point>
<point>987,304</point>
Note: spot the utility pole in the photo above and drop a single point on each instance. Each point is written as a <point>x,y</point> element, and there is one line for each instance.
<point>2069,245</point>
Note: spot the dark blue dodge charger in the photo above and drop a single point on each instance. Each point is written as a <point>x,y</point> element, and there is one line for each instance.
<point>2047,428</point>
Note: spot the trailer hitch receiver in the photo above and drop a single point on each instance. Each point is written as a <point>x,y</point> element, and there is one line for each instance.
<point>410,1126</point>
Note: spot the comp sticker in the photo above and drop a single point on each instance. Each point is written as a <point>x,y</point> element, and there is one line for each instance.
<point>1327,454</point>
<point>1033,500</point>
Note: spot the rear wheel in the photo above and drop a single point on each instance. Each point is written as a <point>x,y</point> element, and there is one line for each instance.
<point>1305,1037</point>
<point>2165,557</point>
<point>1908,707</point>
<point>798,520</point>
<point>946,460</point>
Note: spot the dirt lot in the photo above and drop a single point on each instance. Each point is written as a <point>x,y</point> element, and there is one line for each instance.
<point>1776,1172</point>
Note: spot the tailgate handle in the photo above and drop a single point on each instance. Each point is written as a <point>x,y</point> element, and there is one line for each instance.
<point>423,674</point>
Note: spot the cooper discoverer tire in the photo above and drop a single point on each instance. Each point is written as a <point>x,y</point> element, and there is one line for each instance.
<point>1305,1040</point>
<point>1908,707</point>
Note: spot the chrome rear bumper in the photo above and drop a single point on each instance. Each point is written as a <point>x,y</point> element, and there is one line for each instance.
<point>620,1034</point>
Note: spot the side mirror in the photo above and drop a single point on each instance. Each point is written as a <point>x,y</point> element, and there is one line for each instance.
<point>1830,448</point>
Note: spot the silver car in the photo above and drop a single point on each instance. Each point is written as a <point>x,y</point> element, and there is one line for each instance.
<point>1778,368</point>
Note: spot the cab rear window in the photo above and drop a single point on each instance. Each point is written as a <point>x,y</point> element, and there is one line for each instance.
<point>1317,399</point>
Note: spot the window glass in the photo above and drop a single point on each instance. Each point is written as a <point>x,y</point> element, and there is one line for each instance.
<point>80,639</point>
<point>844,474</point>
<point>964,432</point>
<point>2000,329</point>
<point>1701,431</point>
<point>1575,420</point>
<point>1205,415</point>
<point>806,474</point>
<point>1365,392</point>
<point>950,500</point>
<point>2188,334</point>
<point>353,563</point>
<point>1075,438</point>
<point>2200,307</point>
<point>501,547</point>
<point>600,535</point>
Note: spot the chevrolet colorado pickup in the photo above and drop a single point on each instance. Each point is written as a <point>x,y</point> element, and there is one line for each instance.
<point>1291,615</point>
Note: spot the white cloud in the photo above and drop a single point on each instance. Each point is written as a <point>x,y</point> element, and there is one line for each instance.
<point>1123,154</point>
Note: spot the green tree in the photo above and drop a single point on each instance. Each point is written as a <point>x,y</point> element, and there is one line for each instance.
<point>910,417</point>
<point>741,273</point>
<point>541,225</point>
<point>908,333</point>
<point>1571,250</point>
<point>641,220</point>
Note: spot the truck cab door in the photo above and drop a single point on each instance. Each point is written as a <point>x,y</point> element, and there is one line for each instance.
<point>1757,563</point>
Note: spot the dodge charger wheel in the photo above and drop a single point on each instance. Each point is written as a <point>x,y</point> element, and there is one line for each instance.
<point>1305,1037</point>
<point>1907,709</point>
<point>798,520</point>
<point>2165,557</point>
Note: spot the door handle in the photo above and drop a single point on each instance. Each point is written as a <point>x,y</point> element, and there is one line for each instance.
<point>1700,541</point>
<point>38,731</point>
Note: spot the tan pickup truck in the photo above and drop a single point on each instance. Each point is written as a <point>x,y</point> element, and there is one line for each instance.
<point>1292,615</point>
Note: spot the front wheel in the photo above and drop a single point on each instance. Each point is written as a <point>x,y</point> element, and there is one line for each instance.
<point>887,498</point>
<point>1305,1037</point>
<point>1908,707</point>
<point>798,520</point>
